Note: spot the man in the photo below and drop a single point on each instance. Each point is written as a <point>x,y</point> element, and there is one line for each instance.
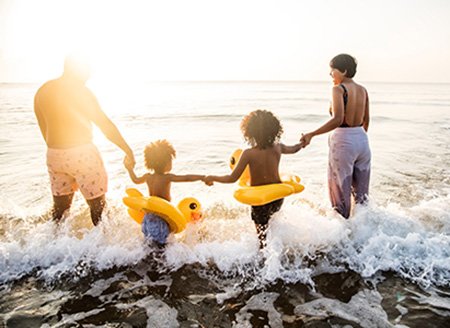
<point>65,109</point>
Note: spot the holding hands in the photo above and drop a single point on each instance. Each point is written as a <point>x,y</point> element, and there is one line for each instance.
<point>305,139</point>
<point>129,162</point>
<point>208,180</point>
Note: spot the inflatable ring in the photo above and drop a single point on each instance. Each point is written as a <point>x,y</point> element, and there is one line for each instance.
<point>187,210</point>
<point>261,195</point>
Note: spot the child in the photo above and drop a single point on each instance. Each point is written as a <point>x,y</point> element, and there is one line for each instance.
<point>262,130</point>
<point>158,158</point>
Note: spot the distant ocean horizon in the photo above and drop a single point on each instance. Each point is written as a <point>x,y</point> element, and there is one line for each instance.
<point>385,267</point>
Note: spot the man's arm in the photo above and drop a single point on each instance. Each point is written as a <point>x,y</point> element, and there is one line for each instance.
<point>40,118</point>
<point>108,128</point>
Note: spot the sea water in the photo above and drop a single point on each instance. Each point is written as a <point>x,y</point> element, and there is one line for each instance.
<point>388,265</point>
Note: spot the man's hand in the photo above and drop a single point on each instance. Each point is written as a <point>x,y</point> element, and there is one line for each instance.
<point>129,162</point>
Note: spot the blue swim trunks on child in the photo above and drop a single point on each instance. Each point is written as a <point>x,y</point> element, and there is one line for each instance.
<point>155,228</point>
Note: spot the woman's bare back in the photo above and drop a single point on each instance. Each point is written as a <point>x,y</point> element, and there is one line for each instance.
<point>356,104</point>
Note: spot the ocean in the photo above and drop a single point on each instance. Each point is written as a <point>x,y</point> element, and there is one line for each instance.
<point>387,266</point>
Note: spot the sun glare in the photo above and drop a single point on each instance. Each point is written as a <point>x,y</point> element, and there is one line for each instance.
<point>213,40</point>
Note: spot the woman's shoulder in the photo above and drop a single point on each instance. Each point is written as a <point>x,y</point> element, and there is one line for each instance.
<point>339,89</point>
<point>360,86</point>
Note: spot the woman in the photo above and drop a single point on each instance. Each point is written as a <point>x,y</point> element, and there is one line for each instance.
<point>349,154</point>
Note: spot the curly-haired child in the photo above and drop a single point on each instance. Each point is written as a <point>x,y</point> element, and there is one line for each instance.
<point>262,131</point>
<point>158,159</point>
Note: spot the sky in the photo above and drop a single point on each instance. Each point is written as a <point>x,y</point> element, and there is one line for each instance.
<point>393,40</point>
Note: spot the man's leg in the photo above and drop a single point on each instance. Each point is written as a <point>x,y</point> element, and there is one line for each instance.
<point>60,205</point>
<point>96,205</point>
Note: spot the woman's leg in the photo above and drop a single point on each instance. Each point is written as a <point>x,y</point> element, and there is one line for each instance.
<point>340,174</point>
<point>361,176</point>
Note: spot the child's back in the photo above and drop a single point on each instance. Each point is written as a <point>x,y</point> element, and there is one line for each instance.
<point>159,185</point>
<point>158,158</point>
<point>262,130</point>
<point>263,165</point>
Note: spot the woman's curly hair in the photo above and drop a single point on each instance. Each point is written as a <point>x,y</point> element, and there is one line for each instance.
<point>158,154</point>
<point>261,128</point>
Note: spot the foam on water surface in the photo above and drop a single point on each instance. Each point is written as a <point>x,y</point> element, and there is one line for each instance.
<point>301,242</point>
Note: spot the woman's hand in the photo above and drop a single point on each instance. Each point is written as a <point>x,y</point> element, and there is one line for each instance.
<point>305,139</point>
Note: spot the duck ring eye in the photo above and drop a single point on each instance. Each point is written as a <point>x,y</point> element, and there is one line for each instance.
<point>192,206</point>
<point>232,160</point>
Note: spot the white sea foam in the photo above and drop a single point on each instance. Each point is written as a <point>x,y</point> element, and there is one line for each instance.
<point>302,241</point>
<point>393,238</point>
<point>264,302</point>
<point>72,247</point>
<point>364,309</point>
<point>159,314</point>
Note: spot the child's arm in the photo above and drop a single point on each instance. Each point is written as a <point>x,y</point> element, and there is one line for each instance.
<point>235,175</point>
<point>137,179</point>
<point>129,166</point>
<point>185,178</point>
<point>290,149</point>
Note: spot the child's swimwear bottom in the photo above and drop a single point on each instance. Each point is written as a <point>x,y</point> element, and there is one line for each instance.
<point>348,168</point>
<point>155,228</point>
<point>261,216</point>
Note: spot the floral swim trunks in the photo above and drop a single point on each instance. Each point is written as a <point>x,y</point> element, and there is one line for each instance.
<point>76,168</point>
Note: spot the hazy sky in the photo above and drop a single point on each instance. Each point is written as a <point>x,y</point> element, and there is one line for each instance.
<point>404,40</point>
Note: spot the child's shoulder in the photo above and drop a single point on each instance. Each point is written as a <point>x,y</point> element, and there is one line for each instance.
<point>275,148</point>
<point>161,176</point>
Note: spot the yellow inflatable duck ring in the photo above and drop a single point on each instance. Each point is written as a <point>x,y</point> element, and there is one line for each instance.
<point>187,210</point>
<point>261,195</point>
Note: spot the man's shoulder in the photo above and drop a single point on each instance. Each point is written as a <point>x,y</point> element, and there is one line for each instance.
<point>47,86</point>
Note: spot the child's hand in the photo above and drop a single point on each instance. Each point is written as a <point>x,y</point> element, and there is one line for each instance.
<point>208,180</point>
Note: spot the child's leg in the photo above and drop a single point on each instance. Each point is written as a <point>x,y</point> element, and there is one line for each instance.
<point>261,215</point>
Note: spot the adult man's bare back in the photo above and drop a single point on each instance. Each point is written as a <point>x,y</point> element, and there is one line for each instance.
<point>67,109</point>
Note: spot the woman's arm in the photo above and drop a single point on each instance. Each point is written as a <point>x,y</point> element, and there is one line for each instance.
<point>335,121</point>
<point>235,175</point>
<point>366,114</point>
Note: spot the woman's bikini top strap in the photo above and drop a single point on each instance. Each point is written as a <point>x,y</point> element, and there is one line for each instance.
<point>344,125</point>
<point>345,95</point>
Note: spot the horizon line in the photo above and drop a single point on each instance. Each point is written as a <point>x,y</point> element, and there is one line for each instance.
<point>247,81</point>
